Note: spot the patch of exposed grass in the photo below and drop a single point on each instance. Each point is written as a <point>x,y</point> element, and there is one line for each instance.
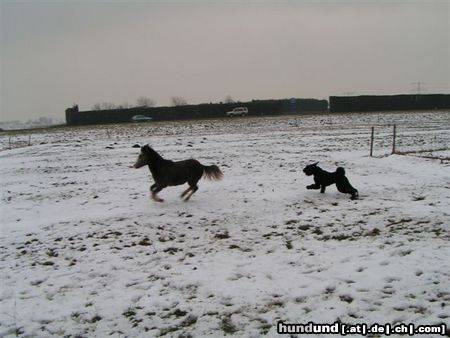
<point>227,326</point>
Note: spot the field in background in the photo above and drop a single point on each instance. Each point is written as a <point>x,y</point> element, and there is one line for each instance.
<point>85,252</point>
<point>423,133</point>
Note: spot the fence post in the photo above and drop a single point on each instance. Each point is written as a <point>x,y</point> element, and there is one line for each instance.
<point>371,141</point>
<point>393,138</point>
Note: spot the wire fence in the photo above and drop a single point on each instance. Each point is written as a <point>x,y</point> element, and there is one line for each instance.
<point>430,140</point>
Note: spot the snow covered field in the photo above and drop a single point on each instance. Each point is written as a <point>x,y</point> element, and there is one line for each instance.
<point>86,253</point>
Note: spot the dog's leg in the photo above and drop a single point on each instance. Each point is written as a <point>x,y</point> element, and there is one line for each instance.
<point>344,186</point>
<point>313,186</point>
<point>322,189</point>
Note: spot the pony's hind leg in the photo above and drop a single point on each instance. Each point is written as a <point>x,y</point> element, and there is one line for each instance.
<point>190,191</point>
<point>185,192</point>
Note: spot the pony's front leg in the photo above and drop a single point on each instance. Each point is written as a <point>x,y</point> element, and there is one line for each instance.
<point>154,189</point>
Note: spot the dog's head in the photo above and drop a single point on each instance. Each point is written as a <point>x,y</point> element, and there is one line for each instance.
<point>144,157</point>
<point>310,169</point>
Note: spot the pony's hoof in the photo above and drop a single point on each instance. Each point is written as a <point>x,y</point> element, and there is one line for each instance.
<point>157,199</point>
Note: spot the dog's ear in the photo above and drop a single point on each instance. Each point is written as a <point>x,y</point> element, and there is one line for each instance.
<point>145,149</point>
<point>315,163</point>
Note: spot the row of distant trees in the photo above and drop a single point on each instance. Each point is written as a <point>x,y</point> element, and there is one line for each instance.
<point>144,101</point>
<point>140,102</point>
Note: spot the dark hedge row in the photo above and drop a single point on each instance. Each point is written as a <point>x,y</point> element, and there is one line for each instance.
<point>388,102</point>
<point>212,110</point>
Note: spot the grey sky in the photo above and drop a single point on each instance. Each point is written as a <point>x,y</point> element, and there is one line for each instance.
<point>56,53</point>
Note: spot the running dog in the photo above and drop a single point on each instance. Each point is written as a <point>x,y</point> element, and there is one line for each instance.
<point>323,178</point>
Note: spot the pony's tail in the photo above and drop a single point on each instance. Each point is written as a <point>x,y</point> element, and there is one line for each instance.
<point>212,172</point>
<point>340,171</point>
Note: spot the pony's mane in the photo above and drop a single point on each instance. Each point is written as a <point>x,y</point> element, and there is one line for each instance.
<point>152,153</point>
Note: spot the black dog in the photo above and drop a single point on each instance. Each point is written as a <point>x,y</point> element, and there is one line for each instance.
<point>323,178</point>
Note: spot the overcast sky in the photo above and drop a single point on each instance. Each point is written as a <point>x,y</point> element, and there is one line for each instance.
<point>57,53</point>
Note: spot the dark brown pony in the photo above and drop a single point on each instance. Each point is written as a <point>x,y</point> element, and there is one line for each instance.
<point>169,173</point>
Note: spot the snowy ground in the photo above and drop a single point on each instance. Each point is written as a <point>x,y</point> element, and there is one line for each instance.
<point>85,252</point>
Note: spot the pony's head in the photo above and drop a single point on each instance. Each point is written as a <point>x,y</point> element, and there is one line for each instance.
<point>144,157</point>
<point>310,169</point>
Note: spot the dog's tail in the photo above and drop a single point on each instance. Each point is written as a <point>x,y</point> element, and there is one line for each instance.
<point>340,171</point>
<point>212,172</point>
